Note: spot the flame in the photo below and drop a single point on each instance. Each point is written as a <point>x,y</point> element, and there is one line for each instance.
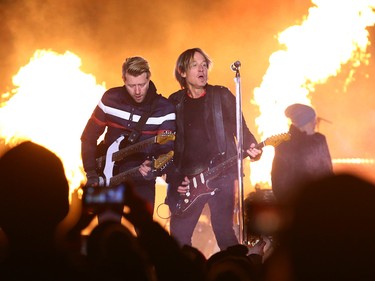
<point>50,105</point>
<point>359,161</point>
<point>53,98</point>
<point>333,35</point>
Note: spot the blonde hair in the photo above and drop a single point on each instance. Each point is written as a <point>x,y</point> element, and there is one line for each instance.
<point>135,66</point>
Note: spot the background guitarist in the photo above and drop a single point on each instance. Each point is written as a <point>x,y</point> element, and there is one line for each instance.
<point>118,112</point>
<point>206,127</point>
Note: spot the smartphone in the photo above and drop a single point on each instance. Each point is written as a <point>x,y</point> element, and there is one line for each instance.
<point>104,196</point>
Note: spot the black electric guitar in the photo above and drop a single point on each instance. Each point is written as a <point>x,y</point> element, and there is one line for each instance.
<point>157,165</point>
<point>199,184</point>
<point>106,162</point>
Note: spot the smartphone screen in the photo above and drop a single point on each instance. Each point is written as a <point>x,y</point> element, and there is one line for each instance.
<point>97,196</point>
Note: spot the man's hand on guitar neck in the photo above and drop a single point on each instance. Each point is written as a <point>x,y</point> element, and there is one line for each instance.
<point>146,170</point>
<point>253,152</point>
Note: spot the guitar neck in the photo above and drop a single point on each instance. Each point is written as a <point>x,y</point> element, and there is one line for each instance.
<point>119,178</point>
<point>157,165</point>
<point>217,170</point>
<point>213,172</point>
<point>261,145</point>
<point>139,146</point>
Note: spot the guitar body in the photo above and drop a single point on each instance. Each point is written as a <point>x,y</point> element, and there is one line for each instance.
<point>157,165</point>
<point>199,186</point>
<point>108,168</point>
<point>106,163</point>
<point>198,189</point>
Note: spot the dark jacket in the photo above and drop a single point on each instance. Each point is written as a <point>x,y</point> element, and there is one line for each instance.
<point>296,162</point>
<point>224,140</point>
<point>226,143</point>
<point>118,113</point>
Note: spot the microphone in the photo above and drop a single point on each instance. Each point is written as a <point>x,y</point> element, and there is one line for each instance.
<point>323,119</point>
<point>235,65</point>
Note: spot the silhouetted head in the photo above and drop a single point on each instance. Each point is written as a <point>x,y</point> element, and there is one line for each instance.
<point>34,190</point>
<point>231,264</point>
<point>114,253</point>
<point>331,235</point>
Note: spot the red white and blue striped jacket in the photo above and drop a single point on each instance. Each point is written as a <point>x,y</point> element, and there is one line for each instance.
<point>117,114</point>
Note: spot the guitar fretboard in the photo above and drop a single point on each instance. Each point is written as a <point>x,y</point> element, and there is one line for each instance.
<point>122,153</point>
<point>132,173</point>
<point>217,170</point>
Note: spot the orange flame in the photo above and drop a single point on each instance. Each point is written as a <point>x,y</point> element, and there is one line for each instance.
<point>359,161</point>
<point>50,106</point>
<point>332,35</point>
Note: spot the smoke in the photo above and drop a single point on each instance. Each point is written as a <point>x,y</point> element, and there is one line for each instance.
<point>104,33</point>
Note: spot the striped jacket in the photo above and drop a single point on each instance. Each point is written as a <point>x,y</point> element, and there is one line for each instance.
<point>117,115</point>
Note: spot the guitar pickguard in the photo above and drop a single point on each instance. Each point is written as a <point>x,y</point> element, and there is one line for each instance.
<point>199,184</point>
<point>109,163</point>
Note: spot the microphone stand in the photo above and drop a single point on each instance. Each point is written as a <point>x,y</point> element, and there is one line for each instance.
<point>242,233</point>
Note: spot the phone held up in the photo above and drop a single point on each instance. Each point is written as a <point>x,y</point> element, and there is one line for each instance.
<point>100,197</point>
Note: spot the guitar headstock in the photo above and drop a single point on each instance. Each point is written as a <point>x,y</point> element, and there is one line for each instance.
<point>275,140</point>
<point>165,137</point>
<point>163,160</point>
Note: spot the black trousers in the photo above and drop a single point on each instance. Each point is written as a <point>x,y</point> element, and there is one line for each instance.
<point>221,207</point>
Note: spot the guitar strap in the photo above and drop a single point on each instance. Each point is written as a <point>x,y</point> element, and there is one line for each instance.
<point>134,136</point>
<point>219,123</point>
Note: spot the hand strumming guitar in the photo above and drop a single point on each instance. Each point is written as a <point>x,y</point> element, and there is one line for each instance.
<point>184,186</point>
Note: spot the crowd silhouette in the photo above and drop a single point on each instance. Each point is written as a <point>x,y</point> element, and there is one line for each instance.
<point>327,233</point>
<point>34,199</point>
